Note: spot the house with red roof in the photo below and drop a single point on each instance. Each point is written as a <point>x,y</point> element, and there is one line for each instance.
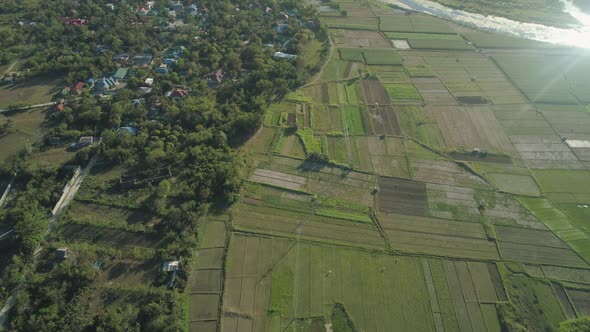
<point>177,94</point>
<point>78,88</point>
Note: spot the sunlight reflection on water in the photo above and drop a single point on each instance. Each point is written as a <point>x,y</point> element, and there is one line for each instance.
<point>578,36</point>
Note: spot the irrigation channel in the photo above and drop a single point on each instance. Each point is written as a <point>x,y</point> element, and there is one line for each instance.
<point>577,36</point>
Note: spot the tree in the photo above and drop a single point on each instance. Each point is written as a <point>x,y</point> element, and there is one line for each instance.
<point>581,324</point>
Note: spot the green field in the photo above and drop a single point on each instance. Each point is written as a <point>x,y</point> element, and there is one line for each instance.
<point>402,92</point>
<point>382,57</point>
<point>36,91</point>
<point>28,127</point>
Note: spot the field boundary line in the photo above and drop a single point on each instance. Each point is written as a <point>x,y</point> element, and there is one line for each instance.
<point>382,231</point>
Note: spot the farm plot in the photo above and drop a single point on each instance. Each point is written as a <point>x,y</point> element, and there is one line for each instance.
<point>567,306</point>
<point>438,237</point>
<point>390,74</point>
<point>326,119</point>
<point>514,184</point>
<point>377,291</point>
<point>352,23</point>
<point>545,152</point>
<point>382,116</point>
<point>419,123</point>
<point>413,23</point>
<point>490,40</point>
<point>564,227</point>
<point>466,128</point>
<point>544,79</point>
<point>566,274</point>
<point>535,246</point>
<point>247,281</point>
<point>204,286</point>
<point>382,56</point>
<point>433,91</point>
<point>522,120</point>
<point>440,44</point>
<point>284,223</point>
<point>278,179</point>
<point>463,204</point>
<point>385,156</point>
<point>444,172</point>
<point>353,120</point>
<point>581,300</point>
<point>402,196</point>
<point>402,92</point>
<point>467,74</point>
<point>337,70</point>
<point>566,119</point>
<point>359,39</point>
<point>467,283</point>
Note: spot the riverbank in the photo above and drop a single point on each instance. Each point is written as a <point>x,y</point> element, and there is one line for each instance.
<point>577,37</point>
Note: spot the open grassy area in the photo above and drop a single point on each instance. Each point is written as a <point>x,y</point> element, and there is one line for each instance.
<point>31,92</point>
<point>28,127</point>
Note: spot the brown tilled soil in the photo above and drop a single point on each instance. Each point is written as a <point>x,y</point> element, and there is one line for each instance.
<point>402,196</point>
<point>307,116</point>
<point>382,115</point>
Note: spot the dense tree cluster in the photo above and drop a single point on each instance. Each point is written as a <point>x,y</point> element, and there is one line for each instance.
<point>194,136</point>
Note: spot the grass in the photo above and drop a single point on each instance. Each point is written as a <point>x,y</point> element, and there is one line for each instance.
<point>29,130</point>
<point>310,143</point>
<point>36,91</point>
<point>402,92</point>
<point>534,302</point>
<point>351,54</point>
<point>340,320</point>
<point>353,119</point>
<point>563,181</point>
<point>382,57</point>
<point>280,143</point>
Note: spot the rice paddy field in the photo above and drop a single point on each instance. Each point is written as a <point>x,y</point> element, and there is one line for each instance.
<point>451,193</point>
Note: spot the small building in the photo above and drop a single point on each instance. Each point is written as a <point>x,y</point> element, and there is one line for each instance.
<point>170,266</point>
<point>177,94</point>
<point>162,69</point>
<point>138,101</point>
<point>284,56</point>
<point>143,60</point>
<point>121,58</point>
<point>214,78</point>
<point>79,87</point>
<point>62,253</point>
<point>148,81</point>
<point>105,84</point>
<point>120,73</point>
<point>85,141</point>
<point>144,90</point>
<point>170,61</point>
<point>54,140</point>
<point>129,130</point>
